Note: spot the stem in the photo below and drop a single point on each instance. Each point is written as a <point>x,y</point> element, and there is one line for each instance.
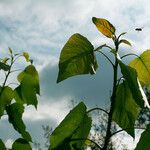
<point>125,129</point>
<point>108,131</point>
<point>83,139</point>
<point>129,55</point>
<point>97,108</point>
<point>106,57</point>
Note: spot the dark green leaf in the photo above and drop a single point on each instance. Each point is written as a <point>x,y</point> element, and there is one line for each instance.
<point>15,112</point>
<point>67,127</point>
<point>104,26</point>
<point>144,143</point>
<point>130,75</point>
<point>2,145</point>
<point>125,109</point>
<point>21,144</point>
<point>142,66</point>
<point>125,42</point>
<point>10,50</point>
<point>82,132</point>
<point>6,95</point>
<point>76,58</point>
<point>29,87</point>
<point>4,67</point>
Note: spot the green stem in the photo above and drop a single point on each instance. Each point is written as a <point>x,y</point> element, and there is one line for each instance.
<point>108,131</point>
<point>131,54</point>
<point>97,108</point>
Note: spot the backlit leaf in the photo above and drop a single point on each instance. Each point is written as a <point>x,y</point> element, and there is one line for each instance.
<point>15,112</point>
<point>2,145</point>
<point>26,56</point>
<point>130,75</point>
<point>21,144</point>
<point>142,66</point>
<point>125,109</point>
<point>29,86</point>
<point>5,60</point>
<point>104,26</point>
<point>144,143</point>
<point>76,58</point>
<point>125,42</point>
<point>62,134</point>
<point>6,95</point>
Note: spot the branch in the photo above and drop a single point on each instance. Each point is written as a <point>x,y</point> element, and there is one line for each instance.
<point>130,55</point>
<point>97,108</point>
<point>83,139</point>
<point>125,129</point>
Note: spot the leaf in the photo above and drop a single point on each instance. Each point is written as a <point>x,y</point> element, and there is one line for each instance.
<point>144,143</point>
<point>29,86</point>
<point>10,50</point>
<point>2,145</point>
<point>5,98</point>
<point>82,132</point>
<point>26,56</point>
<point>67,127</point>
<point>5,60</point>
<point>142,66</point>
<point>15,112</point>
<point>125,110</point>
<point>130,75</point>
<point>21,144</point>
<point>76,58</point>
<point>125,42</point>
<point>4,67</point>
<point>104,26</point>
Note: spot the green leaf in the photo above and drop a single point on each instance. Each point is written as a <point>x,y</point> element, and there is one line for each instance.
<point>104,26</point>
<point>144,143</point>
<point>15,112</point>
<point>142,66</point>
<point>130,75</point>
<point>10,50</point>
<point>6,95</point>
<point>125,42</point>
<point>82,132</point>
<point>76,58</point>
<point>21,144</point>
<point>4,67</point>
<point>125,110</point>
<point>67,127</point>
<point>26,56</point>
<point>5,60</point>
<point>29,86</point>
<point>2,145</point>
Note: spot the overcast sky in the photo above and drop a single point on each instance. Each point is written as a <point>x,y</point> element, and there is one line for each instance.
<point>42,27</point>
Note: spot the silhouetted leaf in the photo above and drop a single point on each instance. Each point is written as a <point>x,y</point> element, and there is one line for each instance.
<point>4,67</point>
<point>130,75</point>
<point>76,58</point>
<point>144,143</point>
<point>2,145</point>
<point>29,86</point>
<point>62,134</point>
<point>104,26</point>
<point>6,95</point>
<point>10,50</point>
<point>15,112</point>
<point>21,144</point>
<point>142,66</point>
<point>125,109</point>
<point>125,42</point>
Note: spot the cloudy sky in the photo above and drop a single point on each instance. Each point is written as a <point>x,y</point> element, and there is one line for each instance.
<point>42,27</point>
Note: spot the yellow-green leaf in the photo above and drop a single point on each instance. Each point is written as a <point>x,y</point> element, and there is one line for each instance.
<point>125,42</point>
<point>26,56</point>
<point>104,26</point>
<point>10,50</point>
<point>142,66</point>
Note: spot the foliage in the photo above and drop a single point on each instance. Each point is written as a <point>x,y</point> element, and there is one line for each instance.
<point>78,56</point>
<point>13,100</point>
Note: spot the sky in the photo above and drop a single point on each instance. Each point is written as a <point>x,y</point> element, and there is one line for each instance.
<point>42,27</point>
